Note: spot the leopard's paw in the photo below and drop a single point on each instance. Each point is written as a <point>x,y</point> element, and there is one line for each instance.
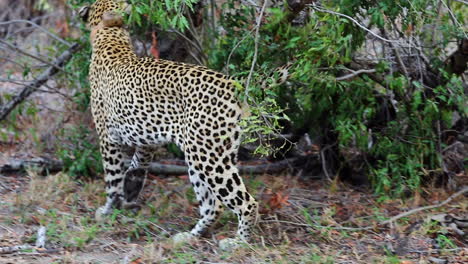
<point>102,213</point>
<point>182,238</point>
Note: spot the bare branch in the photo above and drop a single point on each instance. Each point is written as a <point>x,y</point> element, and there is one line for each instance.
<point>254,60</point>
<point>454,18</point>
<point>12,61</point>
<point>31,87</point>
<point>7,250</point>
<point>416,210</point>
<point>50,89</point>
<point>226,67</point>
<point>31,55</point>
<point>354,74</point>
<point>320,9</point>
<point>59,39</point>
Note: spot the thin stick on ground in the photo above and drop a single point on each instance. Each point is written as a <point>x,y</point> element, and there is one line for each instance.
<point>416,210</point>
<point>389,221</point>
<point>40,243</point>
<point>12,249</point>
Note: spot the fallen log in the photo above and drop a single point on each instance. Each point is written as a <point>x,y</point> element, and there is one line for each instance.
<point>16,165</point>
<point>49,165</point>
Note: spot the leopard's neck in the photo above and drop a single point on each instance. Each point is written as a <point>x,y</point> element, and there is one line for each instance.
<point>112,46</point>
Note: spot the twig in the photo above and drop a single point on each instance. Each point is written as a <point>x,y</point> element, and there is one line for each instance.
<point>12,61</point>
<point>196,38</point>
<point>416,210</point>
<point>324,164</point>
<point>31,87</point>
<point>31,55</point>
<point>7,250</point>
<point>20,165</point>
<point>7,229</point>
<point>254,60</point>
<point>39,27</point>
<point>314,6</point>
<point>24,83</point>
<point>251,3</point>
<point>318,226</point>
<point>40,243</point>
<point>389,221</point>
<point>226,67</point>
<point>454,18</point>
<point>354,73</point>
<point>6,188</point>
<point>400,61</point>
<point>195,44</point>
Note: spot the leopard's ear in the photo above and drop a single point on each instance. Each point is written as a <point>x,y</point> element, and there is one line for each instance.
<point>84,13</point>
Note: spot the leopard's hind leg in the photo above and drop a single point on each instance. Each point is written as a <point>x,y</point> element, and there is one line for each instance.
<point>135,176</point>
<point>216,182</point>
<point>210,207</point>
<point>114,169</point>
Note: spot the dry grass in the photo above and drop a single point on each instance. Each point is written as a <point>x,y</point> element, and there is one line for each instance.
<point>301,223</point>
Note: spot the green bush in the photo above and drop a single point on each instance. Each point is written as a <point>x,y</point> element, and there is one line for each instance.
<point>397,152</point>
<point>80,156</point>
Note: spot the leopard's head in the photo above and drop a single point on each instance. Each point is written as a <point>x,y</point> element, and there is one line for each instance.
<point>104,11</point>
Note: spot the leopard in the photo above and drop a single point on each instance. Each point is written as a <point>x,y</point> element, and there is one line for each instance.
<point>143,102</point>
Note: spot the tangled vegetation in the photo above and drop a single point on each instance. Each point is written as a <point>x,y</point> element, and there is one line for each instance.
<point>377,85</point>
<point>370,92</point>
<point>371,82</point>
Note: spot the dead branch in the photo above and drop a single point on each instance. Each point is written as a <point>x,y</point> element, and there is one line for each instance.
<point>357,66</point>
<point>354,74</point>
<point>32,86</point>
<point>15,48</point>
<point>22,165</point>
<point>40,243</point>
<point>59,39</point>
<point>7,250</point>
<point>321,9</point>
<point>416,210</point>
<point>257,34</point>
<point>48,165</point>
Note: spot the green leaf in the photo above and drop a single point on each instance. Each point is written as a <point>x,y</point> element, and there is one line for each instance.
<point>168,4</point>
<point>183,23</point>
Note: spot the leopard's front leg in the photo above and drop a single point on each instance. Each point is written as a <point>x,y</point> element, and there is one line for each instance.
<point>114,169</point>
